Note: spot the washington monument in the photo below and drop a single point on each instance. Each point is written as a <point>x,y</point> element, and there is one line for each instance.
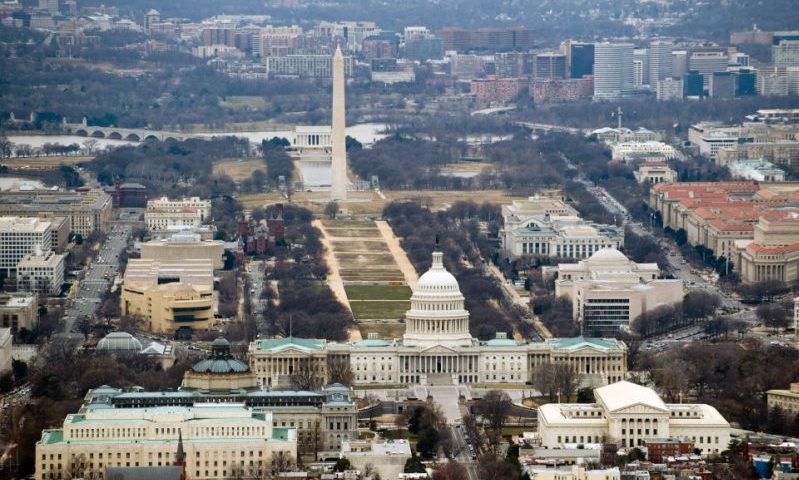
<point>338,168</point>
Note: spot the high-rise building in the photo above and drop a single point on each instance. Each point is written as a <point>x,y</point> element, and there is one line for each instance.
<point>613,70</point>
<point>693,84</point>
<point>660,60</point>
<point>772,82</point>
<point>151,18</point>
<point>721,85</point>
<point>707,60</point>
<point>513,64</point>
<point>786,53</point>
<point>745,81</point>
<point>22,236</point>
<point>669,89</point>
<point>41,273</point>
<point>679,63</point>
<point>581,59</point>
<point>549,66</point>
<point>640,67</point>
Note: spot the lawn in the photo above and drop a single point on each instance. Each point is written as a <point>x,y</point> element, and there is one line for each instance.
<point>372,310</point>
<point>386,331</point>
<point>258,200</point>
<point>243,102</point>
<point>239,170</point>
<point>378,292</point>
<point>354,260</point>
<point>371,275</point>
<point>352,232</point>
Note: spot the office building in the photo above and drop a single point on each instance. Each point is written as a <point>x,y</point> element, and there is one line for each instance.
<point>163,214</point>
<point>711,137</point>
<point>660,61</point>
<point>655,172</point>
<point>613,70</point>
<point>612,136</point>
<point>772,82</point>
<point>20,237</point>
<point>632,415</point>
<point>640,67</point>
<point>6,346</point>
<point>214,441</point>
<point>669,89</point>
<point>386,457</point>
<point>785,54</point>
<point>548,227</point>
<point>41,273</point>
<point>721,85</point>
<point>609,291</point>
<point>693,85</point>
<point>436,349</point>
<point>745,82</point>
<point>707,60</point>
<point>679,63</point>
<point>627,152</point>
<point>184,246</point>
<point>549,66</point>
<point>18,311</point>
<point>304,66</point>
<point>492,39</point>
<point>581,59</point>
<point>87,209</point>
<point>466,66</point>
<point>724,218</point>
<point>757,169</point>
<point>174,298</point>
<point>787,400</point>
<point>513,64</point>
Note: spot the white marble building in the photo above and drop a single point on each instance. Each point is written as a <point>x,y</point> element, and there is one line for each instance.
<point>608,290</point>
<point>437,349</point>
<point>631,414</point>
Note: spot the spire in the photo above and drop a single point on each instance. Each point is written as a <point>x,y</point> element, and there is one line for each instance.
<point>438,257</point>
<point>180,456</point>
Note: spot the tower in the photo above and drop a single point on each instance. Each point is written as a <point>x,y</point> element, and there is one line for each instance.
<point>338,167</point>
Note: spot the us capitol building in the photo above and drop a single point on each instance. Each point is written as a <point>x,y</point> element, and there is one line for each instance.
<point>436,349</point>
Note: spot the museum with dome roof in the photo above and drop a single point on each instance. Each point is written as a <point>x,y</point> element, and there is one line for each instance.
<point>219,372</point>
<point>436,349</point>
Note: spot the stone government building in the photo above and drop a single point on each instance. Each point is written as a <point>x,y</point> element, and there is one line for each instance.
<point>436,349</point>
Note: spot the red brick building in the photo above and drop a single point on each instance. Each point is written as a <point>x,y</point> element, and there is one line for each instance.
<point>493,89</point>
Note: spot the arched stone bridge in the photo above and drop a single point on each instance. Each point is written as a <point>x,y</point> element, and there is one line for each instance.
<point>129,134</point>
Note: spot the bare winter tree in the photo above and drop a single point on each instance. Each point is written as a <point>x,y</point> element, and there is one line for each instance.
<point>305,377</point>
<point>495,407</point>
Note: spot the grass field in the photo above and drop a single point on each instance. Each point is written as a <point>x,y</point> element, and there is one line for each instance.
<point>378,292</point>
<point>353,232</point>
<point>243,102</point>
<point>258,200</point>
<point>386,331</point>
<point>44,163</point>
<point>375,310</point>
<point>239,170</point>
<point>353,259</point>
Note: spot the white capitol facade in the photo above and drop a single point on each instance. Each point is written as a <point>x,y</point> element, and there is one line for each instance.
<point>437,349</point>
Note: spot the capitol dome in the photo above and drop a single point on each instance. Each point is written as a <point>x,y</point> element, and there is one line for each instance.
<point>437,279</point>
<point>119,342</point>
<point>437,315</point>
<point>608,255</point>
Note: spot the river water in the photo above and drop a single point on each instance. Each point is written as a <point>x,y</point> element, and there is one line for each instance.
<point>366,133</point>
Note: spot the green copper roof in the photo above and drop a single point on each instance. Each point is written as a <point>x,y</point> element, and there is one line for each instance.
<point>287,342</point>
<point>52,436</point>
<point>573,343</point>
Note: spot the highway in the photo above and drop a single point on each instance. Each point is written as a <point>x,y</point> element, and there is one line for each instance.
<point>96,279</point>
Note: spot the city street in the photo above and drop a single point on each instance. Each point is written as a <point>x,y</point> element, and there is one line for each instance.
<point>97,278</point>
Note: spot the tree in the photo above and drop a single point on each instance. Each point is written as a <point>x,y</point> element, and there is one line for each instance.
<point>495,407</point>
<point>700,304</point>
<point>773,315</point>
<point>414,465</point>
<point>450,470</point>
<point>282,462</point>
<point>89,146</point>
<point>331,209</point>
<point>5,146</point>
<point>493,467</point>
<point>304,377</point>
<point>342,464</point>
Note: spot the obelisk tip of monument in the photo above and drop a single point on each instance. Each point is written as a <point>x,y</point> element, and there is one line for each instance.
<point>338,51</point>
